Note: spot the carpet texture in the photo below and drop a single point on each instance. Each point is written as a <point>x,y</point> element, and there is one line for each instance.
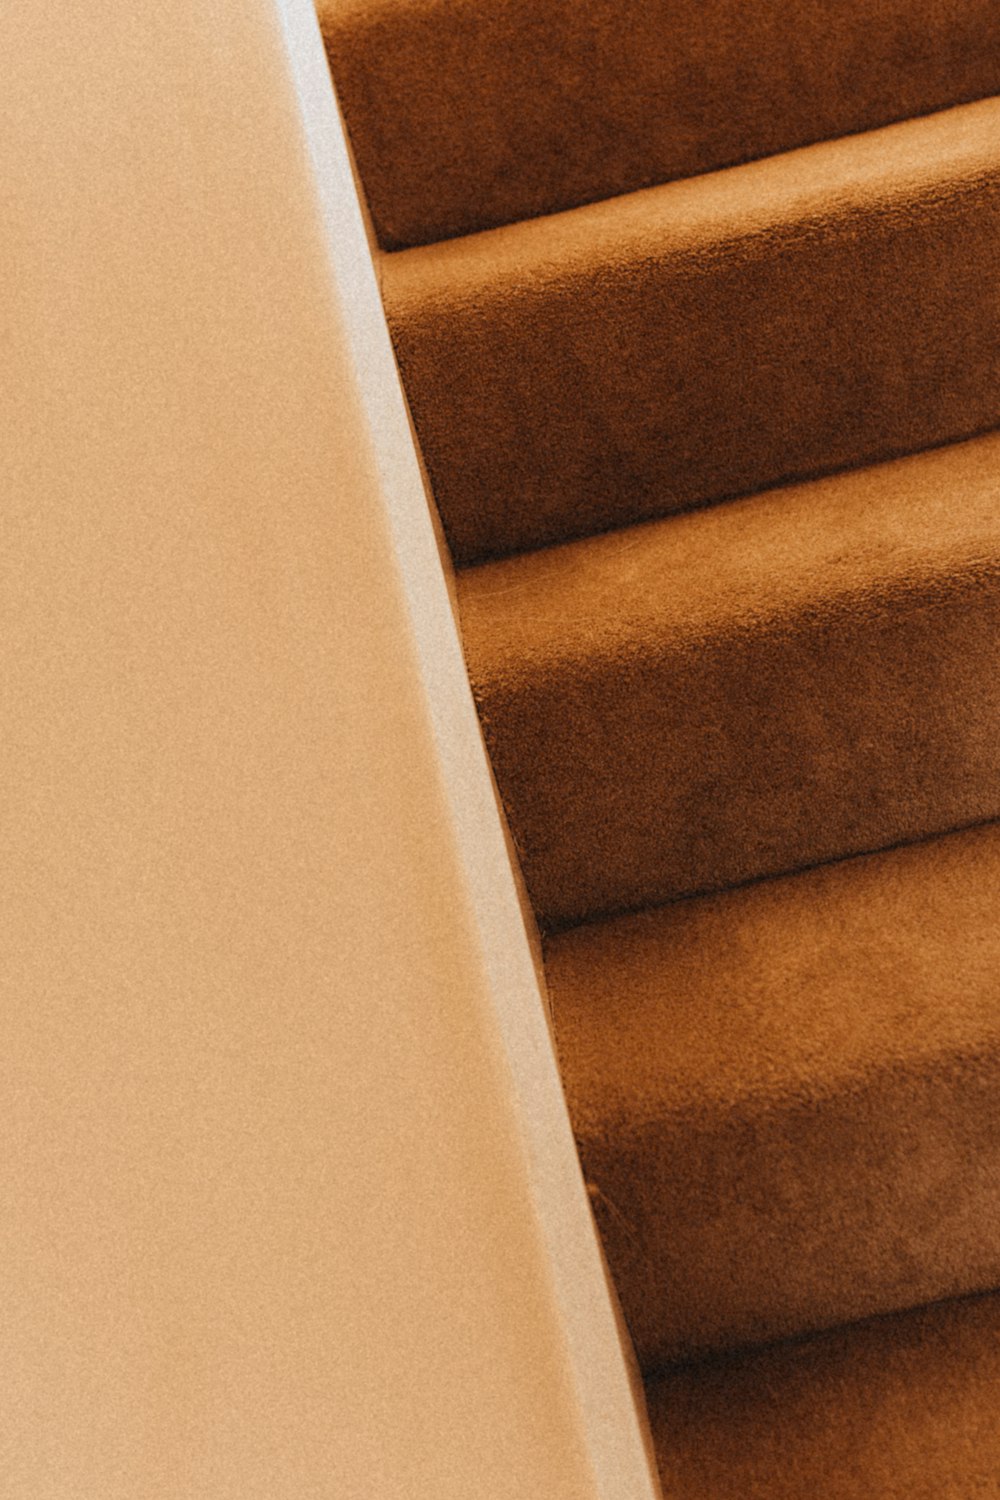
<point>464,115</point>
<point>833,306</point>
<point>787,1097</point>
<point>737,692</point>
<point>697,310</point>
<point>900,1408</point>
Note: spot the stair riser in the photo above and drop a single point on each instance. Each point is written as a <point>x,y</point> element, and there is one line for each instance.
<point>785,1097</point>
<point>701,764</point>
<point>467,115</point>
<point>775,1220</point>
<point>556,401</point>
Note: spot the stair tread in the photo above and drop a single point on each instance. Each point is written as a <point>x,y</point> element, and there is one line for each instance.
<point>897,1408</point>
<point>785,1096</point>
<point>802,674</point>
<point>740,329</point>
<point>472,114</point>
<point>895,524</point>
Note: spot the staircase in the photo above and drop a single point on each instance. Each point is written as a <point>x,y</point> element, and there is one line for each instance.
<point>697,308</point>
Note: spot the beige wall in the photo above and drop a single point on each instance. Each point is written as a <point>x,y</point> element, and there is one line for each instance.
<point>289,1201</point>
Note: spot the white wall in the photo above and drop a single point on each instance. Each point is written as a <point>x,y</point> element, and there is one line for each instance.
<point>290,1206</point>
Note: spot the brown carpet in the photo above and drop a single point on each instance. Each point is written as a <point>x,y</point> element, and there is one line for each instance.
<point>901,1408</point>
<point>787,1097</point>
<point>793,677</point>
<point>711,421</point>
<point>834,306</point>
<point>466,114</point>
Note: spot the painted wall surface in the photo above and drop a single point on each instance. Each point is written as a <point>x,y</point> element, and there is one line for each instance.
<point>290,1206</point>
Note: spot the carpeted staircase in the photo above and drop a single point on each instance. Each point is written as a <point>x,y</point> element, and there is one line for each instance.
<point>697,307</point>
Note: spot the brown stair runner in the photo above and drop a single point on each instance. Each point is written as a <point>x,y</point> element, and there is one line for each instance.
<point>709,420</point>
